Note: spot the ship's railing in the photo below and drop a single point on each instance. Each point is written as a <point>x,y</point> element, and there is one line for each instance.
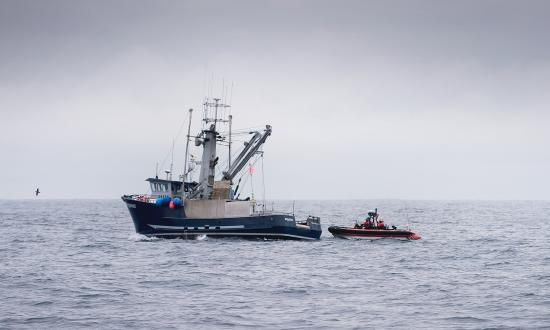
<point>309,221</point>
<point>143,198</point>
<point>313,219</point>
<point>270,212</point>
<point>140,198</point>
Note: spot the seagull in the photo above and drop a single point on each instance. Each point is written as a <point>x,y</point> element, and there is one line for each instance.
<point>37,191</point>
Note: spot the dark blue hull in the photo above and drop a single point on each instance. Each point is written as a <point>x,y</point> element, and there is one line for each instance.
<point>160,221</point>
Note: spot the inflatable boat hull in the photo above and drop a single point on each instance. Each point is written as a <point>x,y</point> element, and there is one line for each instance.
<point>372,234</point>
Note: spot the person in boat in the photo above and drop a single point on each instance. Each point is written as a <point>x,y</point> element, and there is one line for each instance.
<point>367,223</point>
<point>381,224</point>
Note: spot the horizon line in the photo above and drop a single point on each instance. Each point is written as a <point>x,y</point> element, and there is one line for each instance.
<point>304,199</point>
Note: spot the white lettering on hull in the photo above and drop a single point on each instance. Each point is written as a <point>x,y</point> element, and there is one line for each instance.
<point>195,227</point>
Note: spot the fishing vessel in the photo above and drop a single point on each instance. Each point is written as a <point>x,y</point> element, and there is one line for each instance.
<point>373,228</point>
<point>211,206</point>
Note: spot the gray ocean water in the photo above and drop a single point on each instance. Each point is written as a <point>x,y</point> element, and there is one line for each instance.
<point>78,264</point>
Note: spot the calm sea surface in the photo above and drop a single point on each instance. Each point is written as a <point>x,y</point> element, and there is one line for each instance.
<point>79,264</point>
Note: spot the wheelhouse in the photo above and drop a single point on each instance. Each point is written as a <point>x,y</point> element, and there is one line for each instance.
<point>160,187</point>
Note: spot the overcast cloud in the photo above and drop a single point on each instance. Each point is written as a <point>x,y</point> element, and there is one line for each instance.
<point>368,99</point>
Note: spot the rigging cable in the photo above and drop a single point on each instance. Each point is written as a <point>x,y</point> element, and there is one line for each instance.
<point>263,179</point>
<point>171,151</point>
<point>243,172</point>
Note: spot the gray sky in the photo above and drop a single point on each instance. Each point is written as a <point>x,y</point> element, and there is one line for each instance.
<point>368,99</point>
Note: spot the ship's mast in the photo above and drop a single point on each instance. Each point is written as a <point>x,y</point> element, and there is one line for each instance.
<point>172,160</point>
<point>209,138</point>
<point>187,148</point>
<point>229,146</point>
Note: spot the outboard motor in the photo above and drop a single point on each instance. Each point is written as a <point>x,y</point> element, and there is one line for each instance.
<point>372,213</point>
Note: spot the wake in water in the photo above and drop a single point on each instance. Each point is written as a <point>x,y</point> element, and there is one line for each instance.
<point>135,237</point>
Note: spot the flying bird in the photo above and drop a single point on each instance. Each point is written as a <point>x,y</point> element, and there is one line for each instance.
<point>37,191</point>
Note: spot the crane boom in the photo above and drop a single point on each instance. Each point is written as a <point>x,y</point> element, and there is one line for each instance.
<point>249,150</point>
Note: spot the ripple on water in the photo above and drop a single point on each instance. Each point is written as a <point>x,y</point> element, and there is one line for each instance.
<point>61,269</point>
